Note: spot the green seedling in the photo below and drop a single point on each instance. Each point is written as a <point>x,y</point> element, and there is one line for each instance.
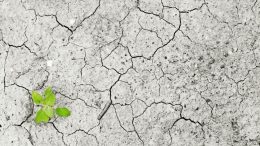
<point>47,102</point>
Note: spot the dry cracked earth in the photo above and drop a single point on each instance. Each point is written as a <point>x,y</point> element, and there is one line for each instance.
<point>133,72</point>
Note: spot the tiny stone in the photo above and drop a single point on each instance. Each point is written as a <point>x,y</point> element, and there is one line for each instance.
<point>49,63</point>
<point>72,21</point>
<point>161,15</point>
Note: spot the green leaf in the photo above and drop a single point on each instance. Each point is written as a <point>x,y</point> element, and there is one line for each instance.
<point>41,117</point>
<point>37,98</point>
<point>48,111</point>
<point>63,112</point>
<point>50,98</point>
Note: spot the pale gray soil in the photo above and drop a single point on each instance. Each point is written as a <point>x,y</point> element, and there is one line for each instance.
<point>133,72</point>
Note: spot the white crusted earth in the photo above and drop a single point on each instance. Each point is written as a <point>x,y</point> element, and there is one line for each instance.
<point>133,72</point>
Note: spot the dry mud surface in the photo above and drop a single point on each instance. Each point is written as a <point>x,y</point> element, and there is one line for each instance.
<point>133,72</point>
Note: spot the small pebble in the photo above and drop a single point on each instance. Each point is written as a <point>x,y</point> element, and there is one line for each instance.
<point>72,21</point>
<point>49,63</point>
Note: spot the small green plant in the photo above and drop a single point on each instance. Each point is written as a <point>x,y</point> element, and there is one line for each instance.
<point>47,102</point>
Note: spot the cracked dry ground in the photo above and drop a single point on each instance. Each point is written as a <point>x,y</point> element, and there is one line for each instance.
<point>133,72</point>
